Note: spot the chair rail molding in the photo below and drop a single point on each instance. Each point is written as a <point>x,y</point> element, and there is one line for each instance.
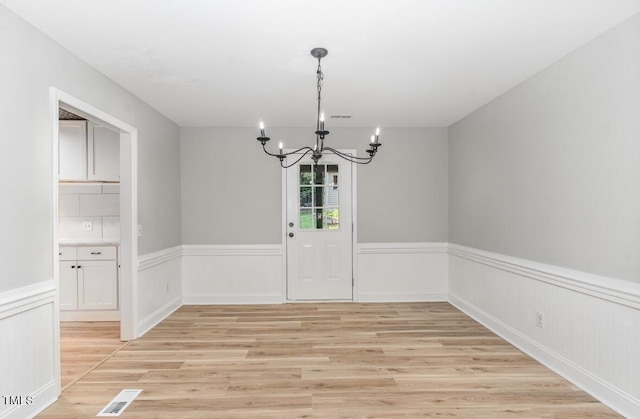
<point>611,289</point>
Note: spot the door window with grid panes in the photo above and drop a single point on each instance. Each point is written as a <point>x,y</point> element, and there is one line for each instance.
<point>319,197</point>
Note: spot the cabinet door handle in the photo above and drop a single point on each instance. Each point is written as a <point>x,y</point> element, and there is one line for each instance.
<point>79,266</point>
<point>73,266</point>
<point>96,253</point>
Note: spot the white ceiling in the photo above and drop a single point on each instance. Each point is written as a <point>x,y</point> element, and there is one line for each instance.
<point>390,62</point>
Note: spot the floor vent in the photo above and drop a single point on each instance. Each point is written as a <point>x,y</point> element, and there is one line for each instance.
<point>119,403</point>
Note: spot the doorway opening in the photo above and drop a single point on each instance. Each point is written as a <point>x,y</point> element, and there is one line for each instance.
<point>89,264</point>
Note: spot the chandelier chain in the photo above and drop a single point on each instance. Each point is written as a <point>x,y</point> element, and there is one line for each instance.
<point>320,78</point>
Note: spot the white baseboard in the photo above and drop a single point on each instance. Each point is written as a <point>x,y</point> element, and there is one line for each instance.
<point>150,321</point>
<point>90,316</point>
<point>401,297</point>
<point>590,329</point>
<point>231,298</point>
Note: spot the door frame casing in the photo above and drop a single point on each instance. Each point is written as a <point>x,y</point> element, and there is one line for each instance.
<point>128,258</point>
<point>354,231</point>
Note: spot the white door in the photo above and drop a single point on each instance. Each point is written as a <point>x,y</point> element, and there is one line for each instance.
<point>319,230</point>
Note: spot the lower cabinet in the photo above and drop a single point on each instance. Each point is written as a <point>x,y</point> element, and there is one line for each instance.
<point>68,285</point>
<point>88,278</point>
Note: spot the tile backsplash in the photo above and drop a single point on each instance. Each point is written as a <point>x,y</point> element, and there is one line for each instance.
<point>98,204</point>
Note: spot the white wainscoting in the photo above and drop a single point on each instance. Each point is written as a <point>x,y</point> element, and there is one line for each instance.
<point>29,360</point>
<point>159,287</point>
<point>401,272</point>
<point>232,274</point>
<point>591,332</point>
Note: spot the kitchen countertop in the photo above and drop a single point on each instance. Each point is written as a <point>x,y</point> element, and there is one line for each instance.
<point>91,242</point>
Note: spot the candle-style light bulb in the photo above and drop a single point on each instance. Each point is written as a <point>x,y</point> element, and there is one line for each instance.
<point>280,146</point>
<point>322,121</point>
<point>377,133</point>
<point>262,129</point>
<point>373,139</point>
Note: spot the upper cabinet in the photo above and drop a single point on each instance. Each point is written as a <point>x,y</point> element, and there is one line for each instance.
<point>88,152</point>
<point>72,150</point>
<point>104,153</point>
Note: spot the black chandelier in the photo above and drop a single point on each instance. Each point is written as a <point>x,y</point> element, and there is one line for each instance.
<point>320,132</point>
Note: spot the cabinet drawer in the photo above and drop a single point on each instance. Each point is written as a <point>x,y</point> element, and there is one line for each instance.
<point>96,252</point>
<point>68,253</point>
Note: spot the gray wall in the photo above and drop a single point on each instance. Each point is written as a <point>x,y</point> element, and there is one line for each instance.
<point>159,186</point>
<point>232,191</point>
<point>32,64</point>
<point>550,171</point>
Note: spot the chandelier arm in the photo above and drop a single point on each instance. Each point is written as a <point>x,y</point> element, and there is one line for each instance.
<point>361,162</point>
<point>264,147</point>
<point>353,159</point>
<point>350,159</point>
<point>344,155</point>
<point>309,150</point>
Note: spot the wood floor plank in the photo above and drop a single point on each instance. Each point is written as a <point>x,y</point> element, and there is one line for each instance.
<point>316,360</point>
<point>84,345</point>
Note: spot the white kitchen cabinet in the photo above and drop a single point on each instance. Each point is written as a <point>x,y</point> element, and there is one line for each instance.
<point>88,278</point>
<point>68,285</point>
<point>88,152</point>
<point>72,150</point>
<point>97,285</point>
<point>104,153</point>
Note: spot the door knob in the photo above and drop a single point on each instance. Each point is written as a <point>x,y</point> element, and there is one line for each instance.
<point>290,224</point>
<point>290,234</point>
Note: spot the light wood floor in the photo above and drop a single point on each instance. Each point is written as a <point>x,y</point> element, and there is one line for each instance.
<point>84,346</point>
<point>325,360</point>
